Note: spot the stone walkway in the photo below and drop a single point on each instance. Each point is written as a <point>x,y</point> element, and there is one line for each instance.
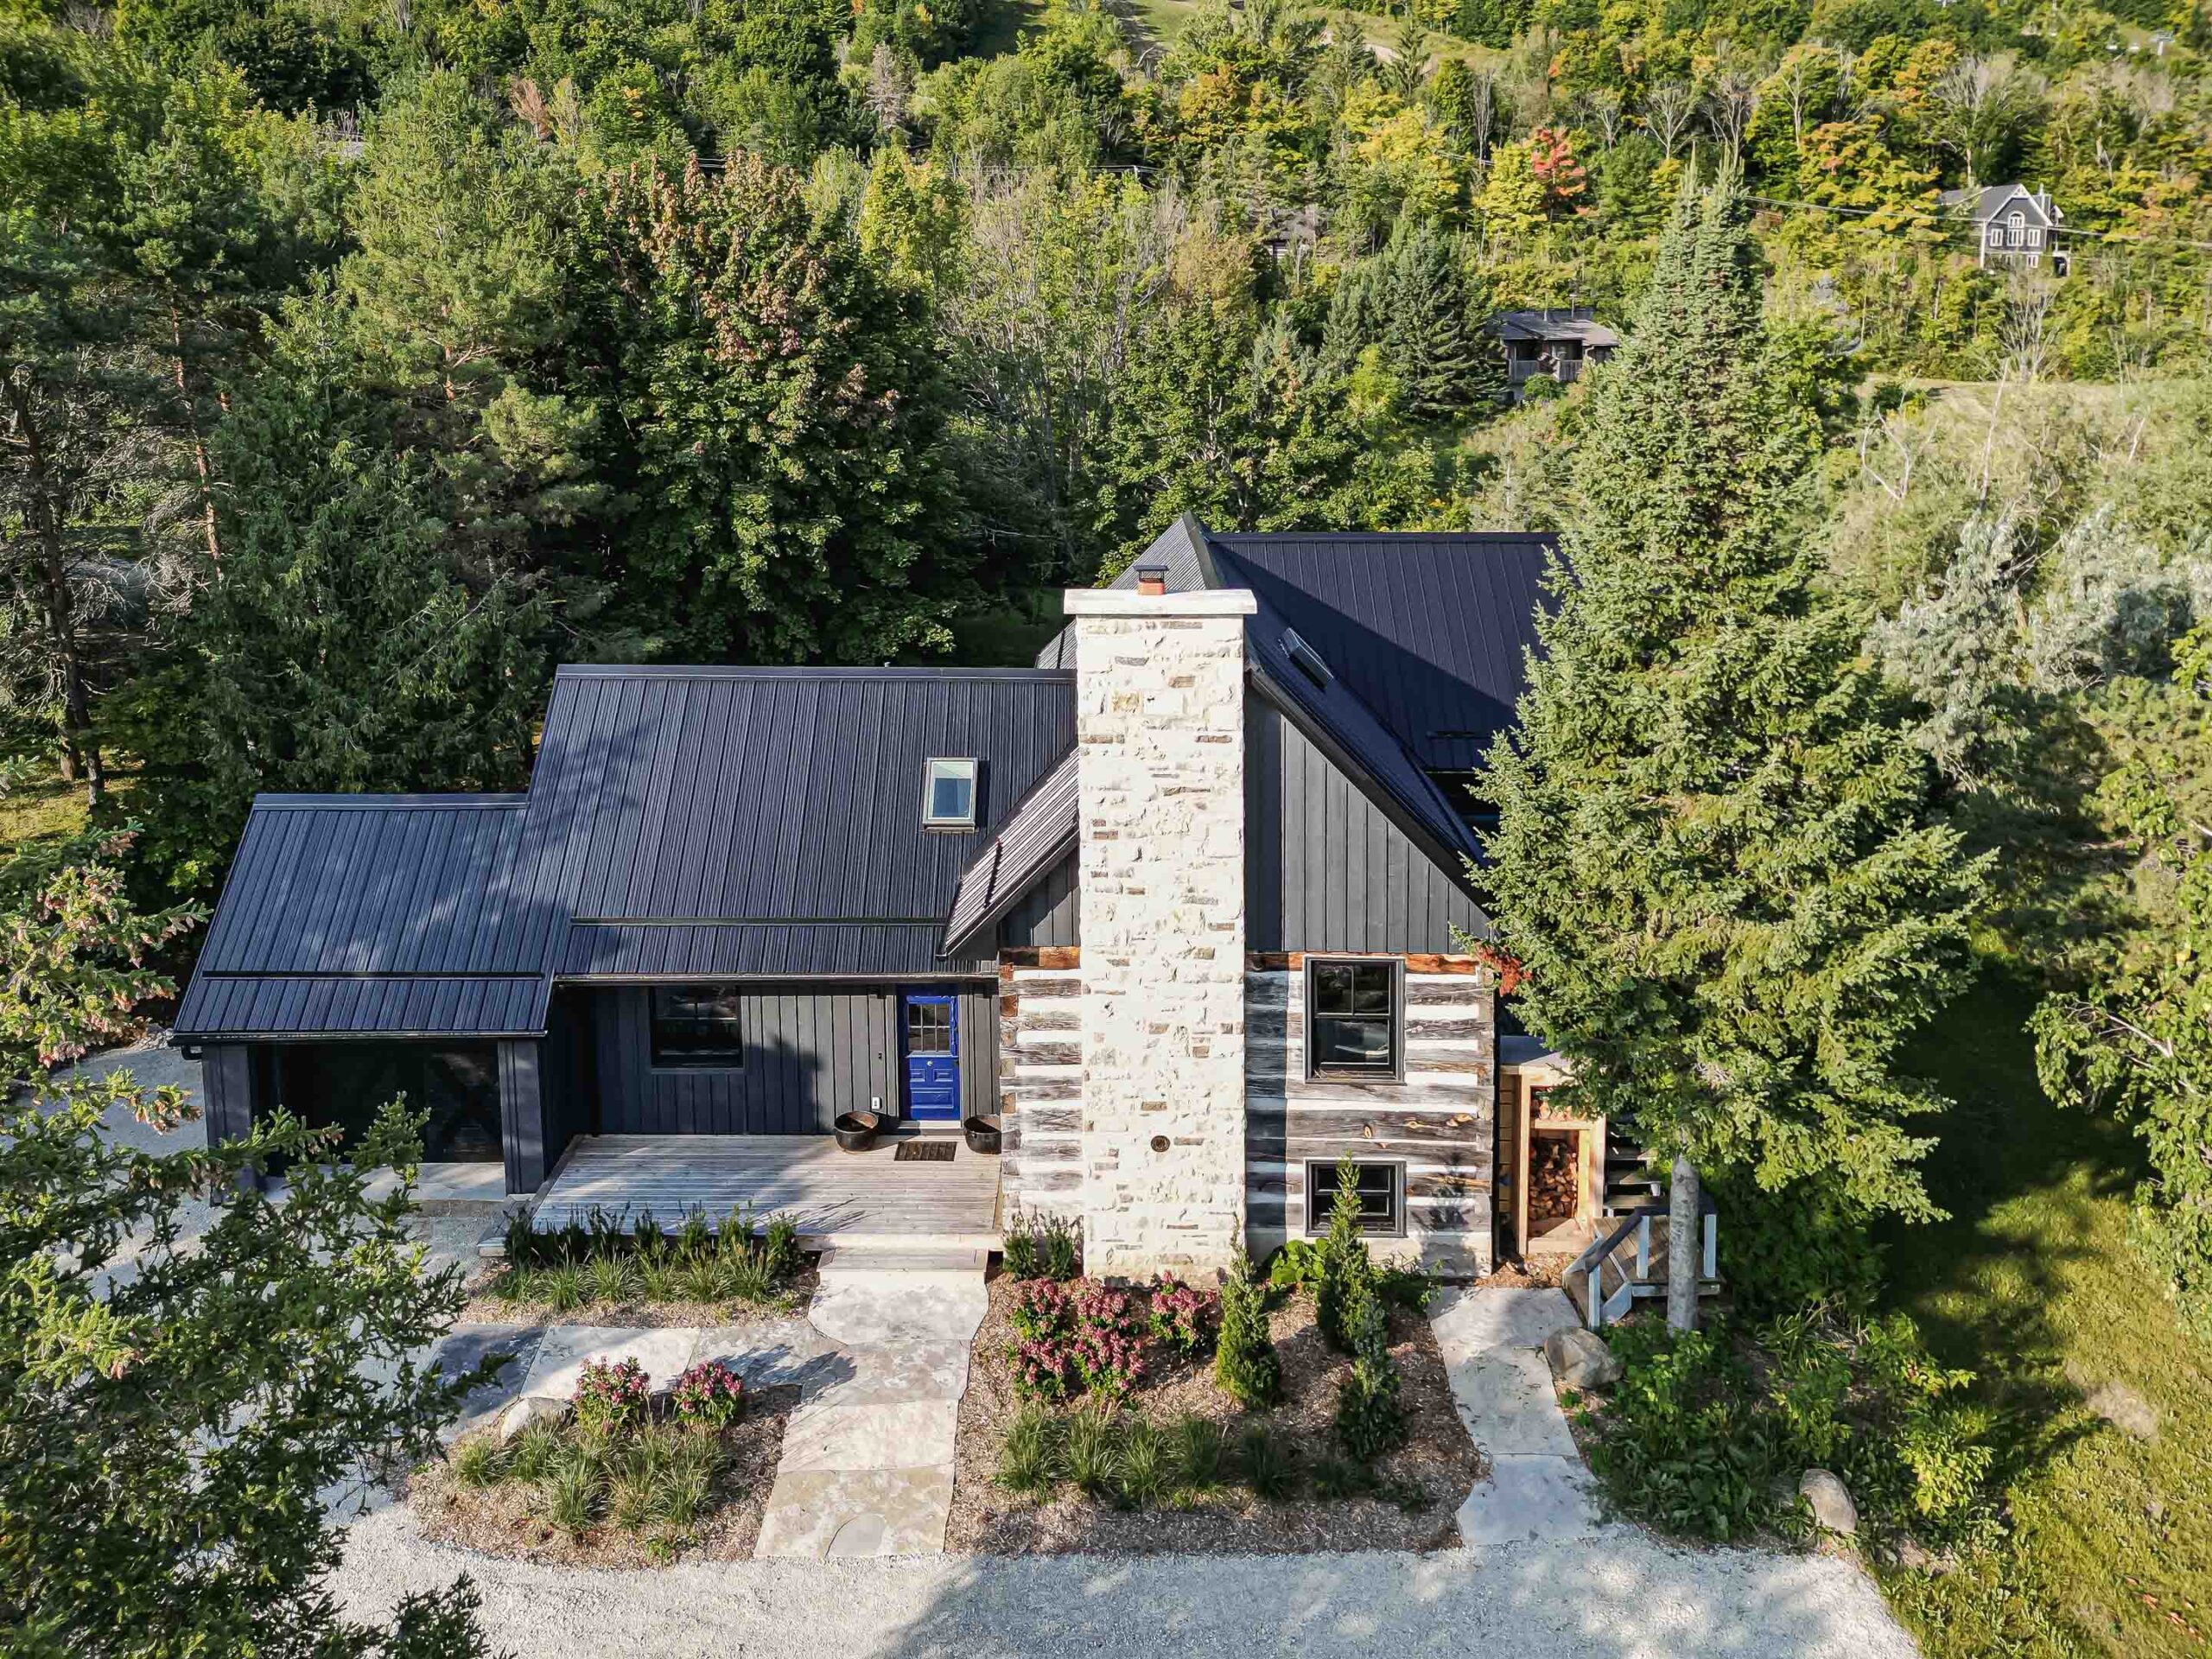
<point>868,1457</point>
<point>1492,1343</point>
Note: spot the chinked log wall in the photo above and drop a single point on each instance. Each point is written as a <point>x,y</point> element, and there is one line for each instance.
<point>1040,1079</point>
<point>1439,1119</point>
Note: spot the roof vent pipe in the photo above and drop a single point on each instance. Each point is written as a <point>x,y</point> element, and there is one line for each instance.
<point>1152,579</point>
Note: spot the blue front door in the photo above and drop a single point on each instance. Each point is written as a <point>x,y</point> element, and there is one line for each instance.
<point>932,1037</point>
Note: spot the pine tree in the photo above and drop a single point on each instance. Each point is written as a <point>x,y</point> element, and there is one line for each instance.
<point>1716,854</point>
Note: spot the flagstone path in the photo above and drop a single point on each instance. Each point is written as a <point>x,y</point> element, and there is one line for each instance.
<point>1492,1343</point>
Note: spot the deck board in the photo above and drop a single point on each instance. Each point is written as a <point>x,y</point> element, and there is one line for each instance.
<point>838,1198</point>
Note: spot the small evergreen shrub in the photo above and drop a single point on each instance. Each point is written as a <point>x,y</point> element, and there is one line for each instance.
<point>709,1396</point>
<point>612,1397</point>
<point>1245,1363</point>
<point>1369,1419</point>
<point>1343,1270</point>
<point>1041,1247</point>
<point>779,1248</point>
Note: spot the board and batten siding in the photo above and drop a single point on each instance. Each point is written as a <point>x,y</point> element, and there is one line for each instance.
<point>1324,869</point>
<point>1048,915</point>
<point>1041,1080</point>
<point>811,1052</point>
<point>1439,1119</point>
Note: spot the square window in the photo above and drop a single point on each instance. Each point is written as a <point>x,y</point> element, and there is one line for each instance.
<point>698,1024</point>
<point>1352,1017</point>
<point>1382,1198</point>
<point>948,795</point>
<point>929,1028</point>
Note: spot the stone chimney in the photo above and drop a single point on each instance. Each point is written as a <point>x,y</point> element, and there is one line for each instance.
<point>1160,731</point>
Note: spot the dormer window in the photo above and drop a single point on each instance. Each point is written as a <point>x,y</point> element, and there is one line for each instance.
<point>948,795</point>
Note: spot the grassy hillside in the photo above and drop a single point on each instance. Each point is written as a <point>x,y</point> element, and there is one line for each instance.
<point>2033,1284</point>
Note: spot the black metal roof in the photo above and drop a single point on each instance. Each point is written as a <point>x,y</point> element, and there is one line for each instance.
<point>1432,632</point>
<point>357,913</point>
<point>767,822</point>
<point>752,795</point>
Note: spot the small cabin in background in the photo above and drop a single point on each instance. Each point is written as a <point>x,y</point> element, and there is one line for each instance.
<point>1553,342</point>
<point>2014,226</point>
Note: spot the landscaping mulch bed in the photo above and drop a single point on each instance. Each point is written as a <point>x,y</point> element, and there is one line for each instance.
<point>484,1306</point>
<point>508,1519</point>
<point>1434,1470</point>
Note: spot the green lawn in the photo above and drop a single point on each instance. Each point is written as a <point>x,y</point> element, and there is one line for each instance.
<point>2033,1284</point>
<point>47,810</point>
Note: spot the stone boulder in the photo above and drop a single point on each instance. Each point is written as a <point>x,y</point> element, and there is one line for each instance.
<point>535,1409</point>
<point>1830,1499</point>
<point>1580,1358</point>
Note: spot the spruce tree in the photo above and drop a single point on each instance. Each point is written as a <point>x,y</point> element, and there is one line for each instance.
<point>1716,854</point>
<point>1433,344</point>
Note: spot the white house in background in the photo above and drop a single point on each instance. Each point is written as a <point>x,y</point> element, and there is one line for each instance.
<point>2014,225</point>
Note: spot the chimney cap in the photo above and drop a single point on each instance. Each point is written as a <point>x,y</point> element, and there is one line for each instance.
<point>1152,578</point>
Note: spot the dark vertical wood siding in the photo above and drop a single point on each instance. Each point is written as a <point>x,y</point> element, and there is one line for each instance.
<point>227,1091</point>
<point>810,1053</point>
<point>1324,869</point>
<point>1049,913</point>
<point>522,1129</point>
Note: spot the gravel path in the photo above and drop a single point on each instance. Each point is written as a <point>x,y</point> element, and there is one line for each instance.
<point>1626,1597</point>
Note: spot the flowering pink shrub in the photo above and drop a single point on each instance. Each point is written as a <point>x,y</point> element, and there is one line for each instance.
<point>612,1396</point>
<point>710,1393</point>
<point>1070,1337</point>
<point>1183,1317</point>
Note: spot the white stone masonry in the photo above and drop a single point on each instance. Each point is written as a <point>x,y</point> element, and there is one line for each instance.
<point>1160,724</point>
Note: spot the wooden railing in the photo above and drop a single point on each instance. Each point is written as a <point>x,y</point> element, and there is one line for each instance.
<point>1630,1263</point>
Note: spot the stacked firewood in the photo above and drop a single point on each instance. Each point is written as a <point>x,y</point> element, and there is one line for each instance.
<point>1552,1187</point>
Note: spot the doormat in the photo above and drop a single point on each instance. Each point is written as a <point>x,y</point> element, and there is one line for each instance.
<point>923,1152</point>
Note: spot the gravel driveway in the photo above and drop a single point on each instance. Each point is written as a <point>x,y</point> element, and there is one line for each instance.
<point>1560,1601</point>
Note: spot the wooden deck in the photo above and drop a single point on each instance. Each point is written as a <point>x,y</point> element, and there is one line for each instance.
<point>840,1200</point>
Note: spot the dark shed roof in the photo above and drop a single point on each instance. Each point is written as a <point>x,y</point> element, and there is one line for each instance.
<point>749,795</point>
<point>359,913</point>
<point>388,1005</point>
<point>1041,828</point>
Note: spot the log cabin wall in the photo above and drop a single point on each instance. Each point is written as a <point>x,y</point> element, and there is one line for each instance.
<point>1438,1119</point>
<point>1041,1080</point>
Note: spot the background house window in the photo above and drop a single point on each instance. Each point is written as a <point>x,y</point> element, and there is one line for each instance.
<point>1351,1017</point>
<point>698,1025</point>
<point>1382,1198</point>
<point>948,795</point>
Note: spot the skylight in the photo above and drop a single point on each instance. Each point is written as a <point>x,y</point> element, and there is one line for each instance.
<point>1307,659</point>
<point>949,794</point>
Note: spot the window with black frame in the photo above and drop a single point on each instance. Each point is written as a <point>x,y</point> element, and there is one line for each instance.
<point>1352,1016</point>
<point>1382,1198</point>
<point>698,1025</point>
